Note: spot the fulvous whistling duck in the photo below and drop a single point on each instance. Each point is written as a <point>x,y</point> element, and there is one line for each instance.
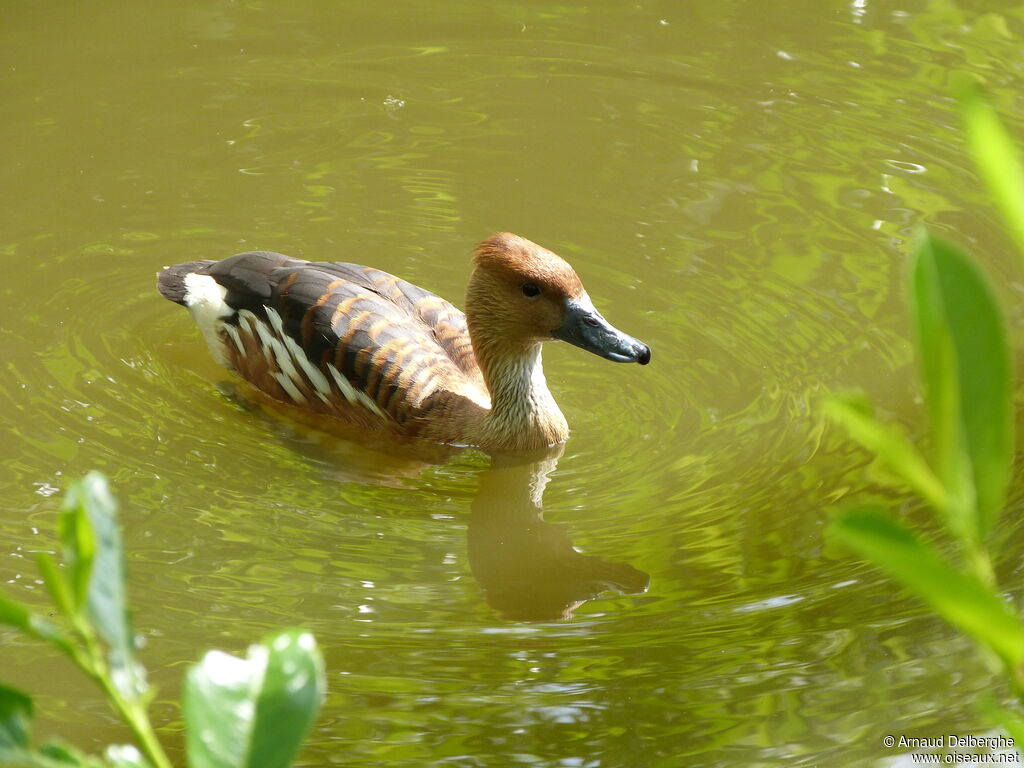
<point>358,344</point>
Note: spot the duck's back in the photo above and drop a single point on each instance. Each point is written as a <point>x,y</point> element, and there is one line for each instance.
<point>343,339</point>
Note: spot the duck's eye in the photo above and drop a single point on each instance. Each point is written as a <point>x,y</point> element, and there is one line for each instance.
<point>531,290</point>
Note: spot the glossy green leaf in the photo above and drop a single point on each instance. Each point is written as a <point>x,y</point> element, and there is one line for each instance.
<point>15,723</point>
<point>90,507</point>
<point>253,712</point>
<point>966,363</point>
<point>959,598</point>
<point>994,154</point>
<point>891,447</point>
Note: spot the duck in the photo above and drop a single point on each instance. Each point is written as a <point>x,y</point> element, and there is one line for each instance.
<point>353,343</point>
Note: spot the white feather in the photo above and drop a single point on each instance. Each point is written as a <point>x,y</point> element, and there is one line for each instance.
<point>233,333</point>
<point>352,394</point>
<point>294,352</point>
<point>204,298</point>
<point>275,322</point>
<point>288,386</point>
<point>256,330</point>
<point>272,347</point>
<point>314,374</point>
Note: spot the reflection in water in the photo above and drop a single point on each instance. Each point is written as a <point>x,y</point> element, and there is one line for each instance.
<point>529,568</point>
<point>352,454</point>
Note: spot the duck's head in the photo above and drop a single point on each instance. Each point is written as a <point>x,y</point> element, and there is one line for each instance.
<point>521,294</point>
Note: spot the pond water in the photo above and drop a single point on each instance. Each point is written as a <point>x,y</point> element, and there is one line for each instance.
<point>736,182</point>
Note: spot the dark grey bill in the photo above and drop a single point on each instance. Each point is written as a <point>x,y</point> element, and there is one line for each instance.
<point>585,328</point>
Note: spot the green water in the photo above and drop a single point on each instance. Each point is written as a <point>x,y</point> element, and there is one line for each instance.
<point>735,182</point>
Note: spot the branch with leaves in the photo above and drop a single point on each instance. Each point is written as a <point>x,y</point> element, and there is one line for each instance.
<point>239,713</point>
<point>967,370</point>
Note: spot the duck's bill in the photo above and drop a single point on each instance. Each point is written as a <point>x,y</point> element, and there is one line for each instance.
<point>585,328</point>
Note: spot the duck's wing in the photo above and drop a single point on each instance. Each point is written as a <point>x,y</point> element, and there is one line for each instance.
<point>342,337</point>
<point>446,323</point>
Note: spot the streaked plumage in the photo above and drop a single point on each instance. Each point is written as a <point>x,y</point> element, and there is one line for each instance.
<point>358,344</point>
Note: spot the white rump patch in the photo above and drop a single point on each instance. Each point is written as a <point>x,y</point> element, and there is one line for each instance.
<point>204,298</point>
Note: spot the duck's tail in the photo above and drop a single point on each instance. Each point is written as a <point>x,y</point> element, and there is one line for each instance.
<point>170,281</point>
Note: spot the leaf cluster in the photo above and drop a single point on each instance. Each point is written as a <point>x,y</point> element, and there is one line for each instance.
<point>239,713</point>
<point>966,368</point>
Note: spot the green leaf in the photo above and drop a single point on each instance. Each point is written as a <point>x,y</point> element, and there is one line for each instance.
<point>994,153</point>
<point>253,712</point>
<point>16,713</point>
<point>1007,719</point>
<point>16,615</point>
<point>57,755</point>
<point>61,593</point>
<point>92,508</point>
<point>293,690</point>
<point>959,598</point>
<point>13,613</point>
<point>77,544</point>
<point>15,720</point>
<point>965,359</point>
<point>892,447</point>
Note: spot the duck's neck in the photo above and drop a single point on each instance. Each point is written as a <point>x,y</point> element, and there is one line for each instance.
<point>523,413</point>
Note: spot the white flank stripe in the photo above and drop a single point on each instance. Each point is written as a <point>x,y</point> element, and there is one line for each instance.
<point>289,386</point>
<point>343,384</point>
<point>233,333</point>
<point>315,375</point>
<point>284,360</point>
<point>266,340</point>
<point>294,351</point>
<point>274,345</point>
<point>352,394</point>
<point>256,329</point>
<point>275,322</point>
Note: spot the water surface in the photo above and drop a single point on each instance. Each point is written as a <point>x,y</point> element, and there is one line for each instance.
<point>736,183</point>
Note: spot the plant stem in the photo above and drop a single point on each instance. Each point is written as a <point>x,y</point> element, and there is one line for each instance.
<point>137,719</point>
<point>132,711</point>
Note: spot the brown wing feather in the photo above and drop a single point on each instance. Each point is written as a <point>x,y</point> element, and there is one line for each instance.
<point>446,323</point>
<point>321,332</point>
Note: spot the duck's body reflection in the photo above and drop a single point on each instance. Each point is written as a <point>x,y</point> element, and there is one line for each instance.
<point>528,568</point>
